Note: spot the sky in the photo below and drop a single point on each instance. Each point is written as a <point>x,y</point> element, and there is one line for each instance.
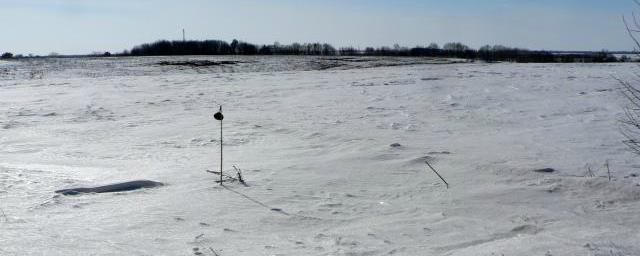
<point>84,26</point>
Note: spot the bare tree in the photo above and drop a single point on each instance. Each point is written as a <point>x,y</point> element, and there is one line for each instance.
<point>630,127</point>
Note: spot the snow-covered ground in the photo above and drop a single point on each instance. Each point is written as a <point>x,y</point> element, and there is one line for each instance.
<point>314,142</point>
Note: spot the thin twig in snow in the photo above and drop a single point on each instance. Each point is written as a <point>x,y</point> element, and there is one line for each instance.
<point>239,172</point>
<point>590,172</point>
<point>4,215</point>
<point>606,164</point>
<point>227,177</point>
<point>434,170</point>
<point>214,251</point>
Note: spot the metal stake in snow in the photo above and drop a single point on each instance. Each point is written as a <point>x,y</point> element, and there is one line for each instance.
<point>219,116</point>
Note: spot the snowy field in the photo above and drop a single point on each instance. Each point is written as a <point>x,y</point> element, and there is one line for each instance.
<point>333,151</point>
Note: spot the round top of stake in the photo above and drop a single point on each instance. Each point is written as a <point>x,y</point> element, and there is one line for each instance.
<point>218,116</point>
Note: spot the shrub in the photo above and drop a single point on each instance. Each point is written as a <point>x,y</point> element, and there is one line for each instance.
<point>6,55</point>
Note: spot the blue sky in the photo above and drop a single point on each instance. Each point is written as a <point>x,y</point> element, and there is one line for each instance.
<point>84,26</point>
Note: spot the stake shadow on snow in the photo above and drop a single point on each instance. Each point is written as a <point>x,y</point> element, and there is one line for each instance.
<point>278,210</point>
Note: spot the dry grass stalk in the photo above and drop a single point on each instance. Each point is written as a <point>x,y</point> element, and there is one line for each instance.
<point>606,164</point>
<point>4,215</point>
<point>434,170</point>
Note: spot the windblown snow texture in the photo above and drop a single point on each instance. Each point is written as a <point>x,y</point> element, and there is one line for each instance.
<point>312,136</point>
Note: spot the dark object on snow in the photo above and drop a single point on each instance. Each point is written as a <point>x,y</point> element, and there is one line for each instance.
<point>117,187</point>
<point>219,115</point>
<point>395,145</point>
<point>196,63</point>
<point>439,153</point>
<point>545,170</point>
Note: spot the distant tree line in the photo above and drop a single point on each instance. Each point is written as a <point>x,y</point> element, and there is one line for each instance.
<point>9,55</point>
<point>449,50</point>
<point>218,47</point>
<point>485,53</point>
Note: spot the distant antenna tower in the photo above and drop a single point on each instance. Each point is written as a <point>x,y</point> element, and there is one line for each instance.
<point>183,37</point>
